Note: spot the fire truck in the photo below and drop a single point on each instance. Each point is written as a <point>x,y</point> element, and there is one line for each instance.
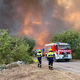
<point>62,51</point>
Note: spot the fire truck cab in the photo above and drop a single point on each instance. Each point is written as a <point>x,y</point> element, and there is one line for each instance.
<point>62,51</point>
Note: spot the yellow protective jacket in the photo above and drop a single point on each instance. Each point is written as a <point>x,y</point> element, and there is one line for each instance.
<point>50,54</point>
<point>39,54</point>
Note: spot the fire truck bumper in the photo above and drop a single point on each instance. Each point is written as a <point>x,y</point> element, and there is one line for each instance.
<point>64,57</point>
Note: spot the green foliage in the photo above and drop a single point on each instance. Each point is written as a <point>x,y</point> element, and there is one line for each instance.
<point>29,41</point>
<point>70,36</point>
<point>76,54</point>
<point>32,53</point>
<point>13,48</point>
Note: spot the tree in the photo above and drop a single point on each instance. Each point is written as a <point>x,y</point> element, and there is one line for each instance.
<point>14,48</point>
<point>69,36</point>
<point>30,41</point>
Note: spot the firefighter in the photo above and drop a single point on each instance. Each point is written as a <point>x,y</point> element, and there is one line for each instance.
<point>50,56</point>
<point>39,56</point>
<point>35,53</point>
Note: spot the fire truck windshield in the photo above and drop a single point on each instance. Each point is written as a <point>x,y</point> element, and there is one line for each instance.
<point>64,47</point>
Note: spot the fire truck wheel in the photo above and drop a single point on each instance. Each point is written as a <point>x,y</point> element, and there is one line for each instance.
<point>55,60</point>
<point>67,60</point>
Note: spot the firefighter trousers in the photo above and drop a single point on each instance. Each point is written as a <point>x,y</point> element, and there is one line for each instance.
<point>50,64</point>
<point>39,62</point>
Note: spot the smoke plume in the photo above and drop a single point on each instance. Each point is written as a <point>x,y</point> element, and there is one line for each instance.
<point>8,18</point>
<point>39,19</point>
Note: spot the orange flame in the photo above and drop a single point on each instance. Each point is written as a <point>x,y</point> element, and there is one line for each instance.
<point>65,3</point>
<point>70,15</point>
<point>39,36</point>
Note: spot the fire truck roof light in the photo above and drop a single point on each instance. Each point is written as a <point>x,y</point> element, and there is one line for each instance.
<point>58,43</point>
<point>63,43</point>
<point>67,43</point>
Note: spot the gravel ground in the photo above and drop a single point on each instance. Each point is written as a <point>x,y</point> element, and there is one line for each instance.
<point>32,72</point>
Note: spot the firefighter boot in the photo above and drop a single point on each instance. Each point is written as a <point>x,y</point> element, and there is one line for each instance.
<point>40,66</point>
<point>51,68</point>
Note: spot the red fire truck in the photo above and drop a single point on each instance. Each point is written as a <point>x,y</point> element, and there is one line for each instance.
<point>61,51</point>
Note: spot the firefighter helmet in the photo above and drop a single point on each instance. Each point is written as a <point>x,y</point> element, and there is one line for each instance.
<point>50,49</point>
<point>39,50</point>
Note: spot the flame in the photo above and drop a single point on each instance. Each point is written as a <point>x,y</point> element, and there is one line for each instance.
<point>73,18</point>
<point>39,23</point>
<point>65,3</point>
<point>40,19</point>
<point>71,14</point>
<point>29,30</point>
<point>37,26</point>
<point>40,37</point>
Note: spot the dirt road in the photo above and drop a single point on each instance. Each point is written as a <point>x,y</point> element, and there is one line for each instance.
<point>69,66</point>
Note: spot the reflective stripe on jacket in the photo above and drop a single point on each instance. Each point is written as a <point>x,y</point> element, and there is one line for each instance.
<point>39,54</point>
<point>50,54</point>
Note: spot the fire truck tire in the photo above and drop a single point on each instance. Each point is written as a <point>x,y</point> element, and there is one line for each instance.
<point>55,60</point>
<point>67,60</point>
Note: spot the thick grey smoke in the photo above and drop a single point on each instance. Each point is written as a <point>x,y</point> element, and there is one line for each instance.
<point>39,19</point>
<point>43,10</point>
<point>8,18</point>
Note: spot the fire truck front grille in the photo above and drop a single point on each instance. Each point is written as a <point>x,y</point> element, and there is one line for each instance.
<point>65,54</point>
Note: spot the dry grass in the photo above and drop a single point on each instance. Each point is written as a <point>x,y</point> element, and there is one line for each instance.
<point>75,60</point>
<point>32,72</point>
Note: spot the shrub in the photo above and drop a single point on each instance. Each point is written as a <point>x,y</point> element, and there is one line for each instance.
<point>32,53</point>
<point>13,48</point>
<point>76,54</point>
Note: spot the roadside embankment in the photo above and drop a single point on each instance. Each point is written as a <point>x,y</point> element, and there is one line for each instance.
<point>32,72</point>
<point>76,60</point>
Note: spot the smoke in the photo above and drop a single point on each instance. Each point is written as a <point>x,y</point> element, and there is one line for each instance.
<point>8,18</point>
<point>72,14</point>
<point>39,19</point>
